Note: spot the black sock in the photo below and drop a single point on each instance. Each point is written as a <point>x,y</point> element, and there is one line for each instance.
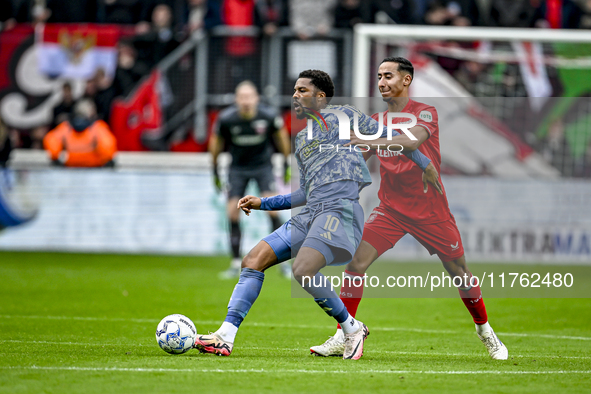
<point>235,236</point>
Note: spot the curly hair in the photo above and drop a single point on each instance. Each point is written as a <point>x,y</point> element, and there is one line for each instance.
<point>320,80</point>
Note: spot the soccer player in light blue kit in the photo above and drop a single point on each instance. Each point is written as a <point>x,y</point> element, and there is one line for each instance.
<point>328,229</point>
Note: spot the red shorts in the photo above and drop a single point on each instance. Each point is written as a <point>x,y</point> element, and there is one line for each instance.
<point>383,230</point>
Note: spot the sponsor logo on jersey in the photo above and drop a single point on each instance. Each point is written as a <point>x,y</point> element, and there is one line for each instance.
<point>387,153</point>
<point>456,246</point>
<point>426,116</point>
<point>326,235</point>
<point>373,216</point>
<point>260,126</point>
<point>248,140</point>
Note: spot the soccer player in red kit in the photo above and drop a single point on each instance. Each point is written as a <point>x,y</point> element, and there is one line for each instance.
<point>407,206</point>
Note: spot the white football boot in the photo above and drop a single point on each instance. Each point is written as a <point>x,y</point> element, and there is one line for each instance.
<point>334,346</point>
<point>496,348</point>
<point>354,343</point>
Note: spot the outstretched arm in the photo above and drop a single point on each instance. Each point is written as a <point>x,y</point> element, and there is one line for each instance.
<point>275,203</point>
<point>370,126</point>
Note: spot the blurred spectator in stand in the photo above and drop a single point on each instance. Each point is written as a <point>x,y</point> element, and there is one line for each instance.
<point>31,11</point>
<point>453,12</point>
<point>240,60</point>
<point>90,89</point>
<point>202,14</point>
<point>83,141</point>
<point>159,41</point>
<point>350,12</point>
<point>129,71</point>
<point>513,13</point>
<point>64,109</point>
<point>559,14</point>
<point>7,14</point>
<point>475,78</point>
<point>586,16</point>
<point>309,18</point>
<point>119,11</point>
<point>36,136</point>
<point>5,144</point>
<point>72,11</point>
<point>105,93</point>
<point>270,15</point>
<point>178,9</point>
<point>394,11</point>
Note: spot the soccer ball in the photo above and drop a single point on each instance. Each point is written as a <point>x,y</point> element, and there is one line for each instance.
<point>176,334</point>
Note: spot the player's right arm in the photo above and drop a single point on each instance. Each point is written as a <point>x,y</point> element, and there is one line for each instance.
<point>275,203</point>
<point>215,147</point>
<point>368,125</point>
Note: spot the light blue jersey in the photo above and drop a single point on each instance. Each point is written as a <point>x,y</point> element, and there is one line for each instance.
<point>320,166</point>
<point>330,182</point>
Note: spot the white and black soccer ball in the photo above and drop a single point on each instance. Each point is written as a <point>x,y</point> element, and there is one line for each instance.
<point>176,334</point>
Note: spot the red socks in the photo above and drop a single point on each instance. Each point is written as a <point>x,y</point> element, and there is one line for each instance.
<point>473,300</point>
<point>351,292</point>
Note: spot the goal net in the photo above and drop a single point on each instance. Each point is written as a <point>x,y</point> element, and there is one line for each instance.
<point>531,86</point>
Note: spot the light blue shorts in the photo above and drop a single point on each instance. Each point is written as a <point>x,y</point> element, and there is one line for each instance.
<point>333,228</point>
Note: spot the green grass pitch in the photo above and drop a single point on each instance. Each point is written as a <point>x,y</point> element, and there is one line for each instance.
<point>73,323</point>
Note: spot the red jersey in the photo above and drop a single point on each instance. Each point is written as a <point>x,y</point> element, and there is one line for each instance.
<point>401,188</point>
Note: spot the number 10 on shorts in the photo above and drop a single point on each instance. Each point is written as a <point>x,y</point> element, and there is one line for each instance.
<point>332,223</point>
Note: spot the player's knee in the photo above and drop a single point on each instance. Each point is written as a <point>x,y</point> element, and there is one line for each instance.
<point>252,262</point>
<point>456,270</point>
<point>358,265</point>
<point>300,272</point>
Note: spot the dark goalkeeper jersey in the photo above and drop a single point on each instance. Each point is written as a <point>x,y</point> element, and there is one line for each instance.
<point>249,141</point>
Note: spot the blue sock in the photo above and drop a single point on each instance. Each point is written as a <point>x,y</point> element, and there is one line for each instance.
<point>325,297</point>
<point>244,295</point>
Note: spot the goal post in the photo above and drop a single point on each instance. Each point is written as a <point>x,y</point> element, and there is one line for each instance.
<point>364,33</point>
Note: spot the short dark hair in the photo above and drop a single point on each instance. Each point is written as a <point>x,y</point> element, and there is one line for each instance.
<point>321,80</point>
<point>403,64</point>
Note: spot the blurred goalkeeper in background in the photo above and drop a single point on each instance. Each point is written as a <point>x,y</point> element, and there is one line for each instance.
<point>248,129</point>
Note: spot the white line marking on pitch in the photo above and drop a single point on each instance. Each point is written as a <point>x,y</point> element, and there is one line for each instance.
<point>291,371</point>
<point>303,326</point>
<point>303,350</point>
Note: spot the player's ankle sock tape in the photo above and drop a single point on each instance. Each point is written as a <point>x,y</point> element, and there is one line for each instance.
<point>244,295</point>
<point>352,292</point>
<point>469,283</point>
<point>235,236</point>
<point>473,300</point>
